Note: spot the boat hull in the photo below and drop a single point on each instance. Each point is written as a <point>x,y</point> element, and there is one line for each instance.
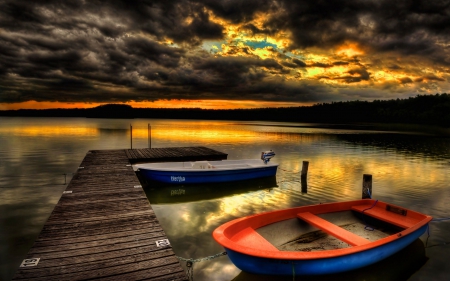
<point>258,265</point>
<point>207,176</point>
<point>320,239</point>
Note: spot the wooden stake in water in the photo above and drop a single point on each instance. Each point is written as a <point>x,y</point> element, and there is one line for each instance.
<point>131,136</point>
<point>304,172</point>
<point>149,136</point>
<point>367,186</point>
<point>304,184</point>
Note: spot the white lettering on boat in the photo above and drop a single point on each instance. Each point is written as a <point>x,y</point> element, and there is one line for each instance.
<point>177,192</point>
<point>177,179</point>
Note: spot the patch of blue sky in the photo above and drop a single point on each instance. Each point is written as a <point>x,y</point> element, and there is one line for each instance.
<point>260,44</point>
<point>294,56</point>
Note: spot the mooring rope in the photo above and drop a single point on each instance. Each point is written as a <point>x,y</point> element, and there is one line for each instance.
<point>190,263</point>
<point>428,232</point>
<point>367,227</point>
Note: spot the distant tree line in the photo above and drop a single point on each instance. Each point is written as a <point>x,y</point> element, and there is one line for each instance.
<point>422,109</point>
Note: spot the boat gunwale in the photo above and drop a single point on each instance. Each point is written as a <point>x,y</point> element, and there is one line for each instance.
<point>196,170</point>
<point>270,217</point>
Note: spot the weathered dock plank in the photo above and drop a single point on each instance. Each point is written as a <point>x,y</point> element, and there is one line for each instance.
<point>103,226</point>
<point>174,154</point>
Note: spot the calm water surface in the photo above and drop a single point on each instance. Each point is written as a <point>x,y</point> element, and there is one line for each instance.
<point>39,155</point>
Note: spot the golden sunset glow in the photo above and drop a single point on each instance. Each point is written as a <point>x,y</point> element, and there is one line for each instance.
<point>205,104</point>
<point>50,131</point>
<point>209,134</point>
<point>349,50</point>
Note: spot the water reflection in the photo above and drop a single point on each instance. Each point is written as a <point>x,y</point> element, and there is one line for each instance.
<point>408,170</point>
<point>159,193</point>
<point>411,145</point>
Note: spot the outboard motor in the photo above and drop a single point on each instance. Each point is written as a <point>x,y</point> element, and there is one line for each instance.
<point>267,155</point>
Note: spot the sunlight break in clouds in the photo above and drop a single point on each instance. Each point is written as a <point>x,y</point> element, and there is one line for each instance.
<point>220,54</point>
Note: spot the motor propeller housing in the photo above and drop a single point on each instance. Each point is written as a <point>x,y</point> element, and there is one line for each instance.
<point>267,155</point>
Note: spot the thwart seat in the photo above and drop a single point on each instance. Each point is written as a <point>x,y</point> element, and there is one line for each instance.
<point>332,229</point>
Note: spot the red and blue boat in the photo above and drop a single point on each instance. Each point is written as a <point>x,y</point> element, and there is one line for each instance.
<point>320,239</point>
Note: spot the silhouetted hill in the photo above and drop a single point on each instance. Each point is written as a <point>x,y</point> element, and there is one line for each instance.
<point>422,109</point>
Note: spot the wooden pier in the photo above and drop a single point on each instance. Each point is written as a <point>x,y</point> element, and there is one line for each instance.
<point>104,227</point>
<point>174,154</point>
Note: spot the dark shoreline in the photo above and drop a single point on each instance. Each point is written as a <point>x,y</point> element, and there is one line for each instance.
<point>432,112</point>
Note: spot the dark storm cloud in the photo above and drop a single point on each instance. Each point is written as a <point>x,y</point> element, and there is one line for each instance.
<point>319,64</point>
<point>151,50</point>
<point>122,50</point>
<point>239,11</point>
<point>355,75</point>
<point>429,77</point>
<point>296,63</point>
<point>254,30</point>
<point>341,63</point>
<point>405,26</point>
<point>220,74</point>
<point>299,62</point>
<point>405,80</point>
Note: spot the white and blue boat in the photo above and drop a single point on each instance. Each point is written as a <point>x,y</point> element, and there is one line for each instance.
<point>209,171</point>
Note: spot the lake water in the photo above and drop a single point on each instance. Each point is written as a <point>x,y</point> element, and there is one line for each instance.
<point>39,155</point>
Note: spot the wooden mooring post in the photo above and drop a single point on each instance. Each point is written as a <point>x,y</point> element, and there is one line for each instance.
<point>304,172</point>
<point>303,176</point>
<point>131,136</point>
<point>367,186</point>
<point>149,130</point>
<point>304,185</point>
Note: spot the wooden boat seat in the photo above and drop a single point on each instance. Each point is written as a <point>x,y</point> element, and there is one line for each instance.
<point>387,216</point>
<point>332,229</point>
<point>248,237</point>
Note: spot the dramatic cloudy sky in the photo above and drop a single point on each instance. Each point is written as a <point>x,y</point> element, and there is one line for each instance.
<point>220,53</point>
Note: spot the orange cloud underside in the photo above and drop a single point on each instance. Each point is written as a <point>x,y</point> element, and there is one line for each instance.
<point>205,104</point>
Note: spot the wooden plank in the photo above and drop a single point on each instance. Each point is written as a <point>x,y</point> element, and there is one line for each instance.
<point>95,237</point>
<point>48,261</point>
<point>97,245</point>
<point>133,270</point>
<point>146,218</point>
<point>332,229</point>
<point>384,215</point>
<point>61,219</point>
<point>97,228</point>
<point>139,153</point>
<point>48,268</point>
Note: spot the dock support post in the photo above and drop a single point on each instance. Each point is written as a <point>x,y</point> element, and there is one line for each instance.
<point>367,186</point>
<point>304,184</point>
<point>131,136</point>
<point>304,172</point>
<point>303,177</point>
<point>149,129</point>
